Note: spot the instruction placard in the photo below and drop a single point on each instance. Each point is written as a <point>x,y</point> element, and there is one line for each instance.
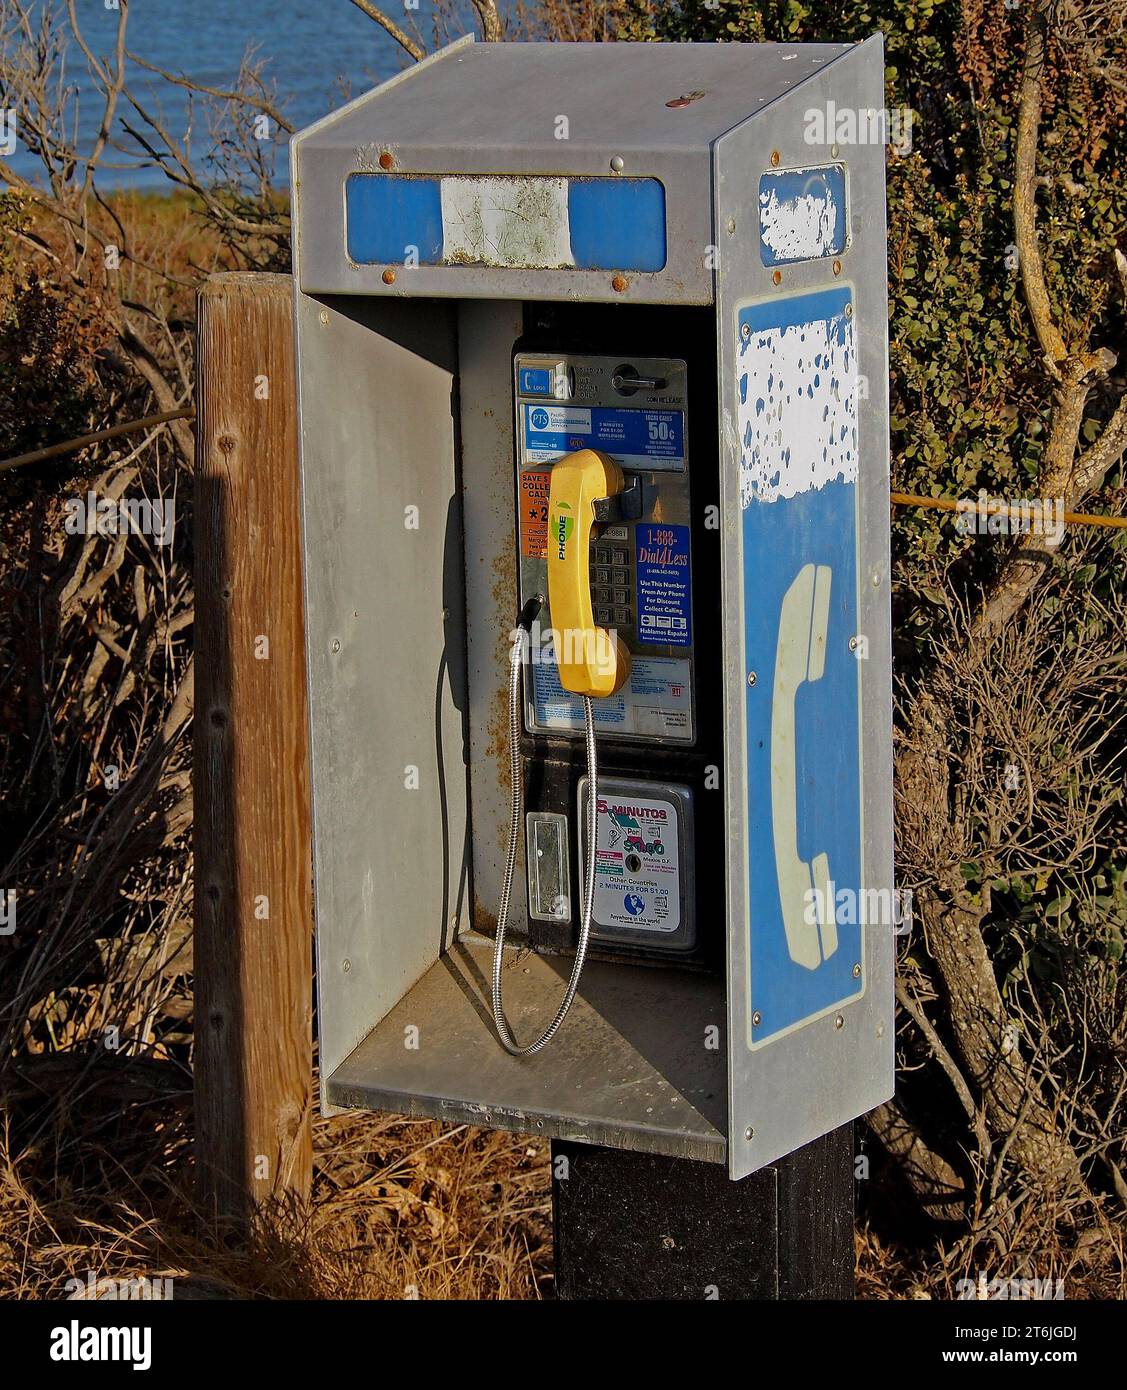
<point>534,485</point>
<point>665,606</point>
<point>637,438</point>
<point>654,701</point>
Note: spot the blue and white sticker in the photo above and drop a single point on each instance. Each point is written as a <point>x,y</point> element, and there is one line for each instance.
<point>638,439</point>
<point>665,598</point>
<point>637,864</point>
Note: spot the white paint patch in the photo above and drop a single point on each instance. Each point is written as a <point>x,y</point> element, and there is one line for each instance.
<point>516,222</point>
<point>801,228</point>
<point>797,409</point>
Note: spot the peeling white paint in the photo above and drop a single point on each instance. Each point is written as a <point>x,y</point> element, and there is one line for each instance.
<point>801,228</point>
<point>516,222</point>
<point>797,409</point>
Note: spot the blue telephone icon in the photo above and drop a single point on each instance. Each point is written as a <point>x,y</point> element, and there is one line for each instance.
<point>800,655</point>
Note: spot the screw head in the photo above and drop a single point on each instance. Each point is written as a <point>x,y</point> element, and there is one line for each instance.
<point>839,1021</point>
<point>745,331</point>
<point>751,678</point>
<point>336,644</point>
<point>775,157</point>
<point>731,226</point>
<point>619,283</point>
<point>388,277</point>
<point>853,644</point>
<point>756,1019</point>
<point>324,317</point>
<point>837,267</point>
<point>856,972</point>
<point>617,164</point>
<point>777,278</point>
<point>387,160</point>
<point>346,966</point>
<point>849,311</point>
<point>749,1133</point>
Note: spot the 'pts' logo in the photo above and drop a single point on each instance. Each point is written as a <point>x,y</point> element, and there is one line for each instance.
<point>562,527</point>
<point>539,418</point>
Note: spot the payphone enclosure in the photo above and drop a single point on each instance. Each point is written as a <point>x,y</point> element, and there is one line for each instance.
<point>672,256</point>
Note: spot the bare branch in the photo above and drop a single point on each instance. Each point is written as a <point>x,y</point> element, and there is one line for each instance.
<point>404,40</point>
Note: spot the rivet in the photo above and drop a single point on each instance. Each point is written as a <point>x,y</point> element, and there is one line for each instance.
<point>387,160</point>
<point>749,1133</point>
<point>619,283</point>
<point>731,226</point>
<point>837,267</point>
<point>756,1019</point>
<point>853,644</point>
<point>617,164</point>
<point>324,317</point>
<point>346,966</point>
<point>834,151</point>
<point>856,972</point>
<point>775,157</point>
<point>389,277</point>
<point>745,331</point>
<point>777,278</point>
<point>849,311</point>
<point>839,1021</point>
<point>751,678</point>
<point>876,579</point>
<point>336,644</point>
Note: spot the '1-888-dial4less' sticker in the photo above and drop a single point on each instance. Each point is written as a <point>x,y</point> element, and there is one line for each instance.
<point>637,869</point>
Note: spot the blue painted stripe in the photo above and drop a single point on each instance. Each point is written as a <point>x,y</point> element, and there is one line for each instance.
<point>617,224</point>
<point>386,216</point>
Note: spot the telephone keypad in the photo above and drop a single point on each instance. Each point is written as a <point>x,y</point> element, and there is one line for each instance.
<point>611,586</point>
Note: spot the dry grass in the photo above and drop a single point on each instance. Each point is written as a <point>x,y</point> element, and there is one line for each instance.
<point>400,1209</point>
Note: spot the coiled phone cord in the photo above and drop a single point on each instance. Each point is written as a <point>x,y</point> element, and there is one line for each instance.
<point>515,673</point>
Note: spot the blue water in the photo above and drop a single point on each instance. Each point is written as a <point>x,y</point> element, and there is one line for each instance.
<point>318,53</point>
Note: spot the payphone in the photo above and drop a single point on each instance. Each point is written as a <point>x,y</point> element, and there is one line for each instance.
<point>592,344</point>
<point>604,499</point>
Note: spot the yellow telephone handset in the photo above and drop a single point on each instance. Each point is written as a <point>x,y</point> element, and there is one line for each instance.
<point>591,661</point>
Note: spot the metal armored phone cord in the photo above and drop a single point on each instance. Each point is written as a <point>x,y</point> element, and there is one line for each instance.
<point>515,672</point>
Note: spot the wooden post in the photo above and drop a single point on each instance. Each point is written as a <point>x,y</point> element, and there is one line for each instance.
<point>253,881</point>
